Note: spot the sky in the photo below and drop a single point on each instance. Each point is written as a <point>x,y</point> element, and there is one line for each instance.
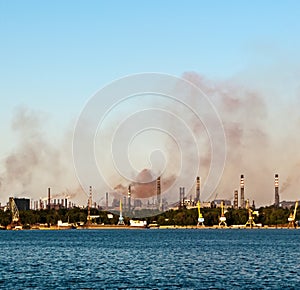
<point>54,55</point>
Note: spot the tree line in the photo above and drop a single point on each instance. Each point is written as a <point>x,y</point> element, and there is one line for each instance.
<point>270,216</point>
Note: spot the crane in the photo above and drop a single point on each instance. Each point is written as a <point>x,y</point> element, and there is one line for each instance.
<point>14,210</point>
<point>222,217</point>
<point>15,218</point>
<point>292,217</point>
<point>121,219</point>
<point>200,216</point>
<point>251,214</point>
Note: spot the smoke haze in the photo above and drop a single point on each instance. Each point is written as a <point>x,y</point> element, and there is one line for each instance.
<point>35,163</point>
<point>260,135</point>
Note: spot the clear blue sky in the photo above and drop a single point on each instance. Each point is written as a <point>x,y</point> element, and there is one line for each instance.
<point>56,54</point>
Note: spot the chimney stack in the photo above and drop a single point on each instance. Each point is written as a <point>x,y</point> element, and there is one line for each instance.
<point>236,199</point>
<point>181,197</point>
<point>276,191</point>
<point>106,200</point>
<point>197,189</point>
<point>91,197</point>
<point>89,207</point>
<point>129,198</point>
<point>242,186</point>
<point>158,193</point>
<point>49,197</point>
<point>124,202</point>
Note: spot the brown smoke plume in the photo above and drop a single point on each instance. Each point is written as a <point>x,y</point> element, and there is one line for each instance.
<point>144,187</point>
<point>255,146</point>
<point>261,140</point>
<point>35,163</point>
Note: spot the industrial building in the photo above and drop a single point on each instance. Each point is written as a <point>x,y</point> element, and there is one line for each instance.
<point>22,203</point>
<point>287,204</point>
<point>226,203</point>
<point>130,203</point>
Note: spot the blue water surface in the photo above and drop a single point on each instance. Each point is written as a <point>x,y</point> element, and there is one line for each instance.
<point>150,259</point>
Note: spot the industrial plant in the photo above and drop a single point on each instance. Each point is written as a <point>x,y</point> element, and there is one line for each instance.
<point>127,209</point>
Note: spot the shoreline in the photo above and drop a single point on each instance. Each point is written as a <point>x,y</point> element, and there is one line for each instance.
<point>127,227</point>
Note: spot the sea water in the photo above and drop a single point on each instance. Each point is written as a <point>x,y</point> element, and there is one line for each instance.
<point>150,259</point>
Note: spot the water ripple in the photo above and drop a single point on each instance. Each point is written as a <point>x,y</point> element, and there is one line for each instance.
<point>150,259</point>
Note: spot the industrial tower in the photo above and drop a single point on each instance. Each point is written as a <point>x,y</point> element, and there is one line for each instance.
<point>197,189</point>
<point>181,197</point>
<point>236,199</point>
<point>89,207</point>
<point>129,198</point>
<point>106,201</point>
<point>242,187</point>
<point>158,194</point>
<point>276,204</point>
<point>49,199</point>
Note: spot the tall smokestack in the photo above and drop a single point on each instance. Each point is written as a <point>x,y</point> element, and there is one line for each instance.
<point>91,197</point>
<point>276,191</point>
<point>197,189</point>
<point>124,202</point>
<point>89,207</point>
<point>242,186</point>
<point>179,203</point>
<point>158,193</point>
<point>181,197</point>
<point>236,199</point>
<point>49,197</point>
<point>129,198</point>
<point>106,200</point>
